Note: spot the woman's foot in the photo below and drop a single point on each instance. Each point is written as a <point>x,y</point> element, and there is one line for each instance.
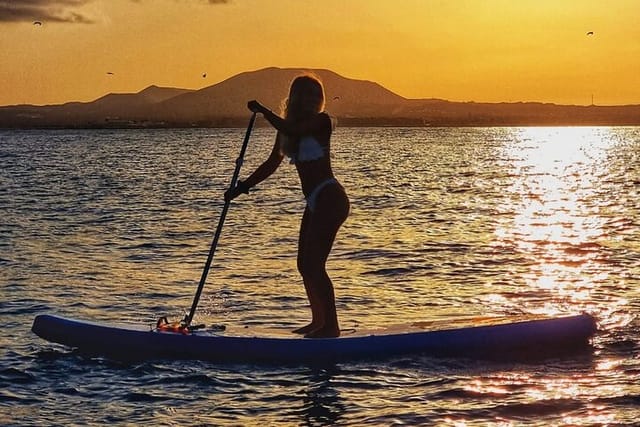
<point>324,332</point>
<point>305,329</point>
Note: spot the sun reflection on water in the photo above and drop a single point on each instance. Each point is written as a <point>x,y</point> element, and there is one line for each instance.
<point>511,395</point>
<point>553,194</point>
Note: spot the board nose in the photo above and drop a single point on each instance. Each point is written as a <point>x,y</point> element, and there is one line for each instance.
<point>39,325</point>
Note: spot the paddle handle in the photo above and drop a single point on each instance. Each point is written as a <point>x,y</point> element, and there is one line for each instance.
<point>234,179</point>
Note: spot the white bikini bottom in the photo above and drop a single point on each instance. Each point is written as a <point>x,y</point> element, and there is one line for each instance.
<point>312,198</point>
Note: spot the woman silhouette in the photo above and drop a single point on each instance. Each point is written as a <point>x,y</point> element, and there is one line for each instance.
<point>304,135</point>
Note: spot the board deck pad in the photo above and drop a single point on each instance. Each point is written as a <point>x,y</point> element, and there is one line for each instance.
<point>259,331</point>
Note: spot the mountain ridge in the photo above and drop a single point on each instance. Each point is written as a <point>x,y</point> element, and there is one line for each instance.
<point>353,102</point>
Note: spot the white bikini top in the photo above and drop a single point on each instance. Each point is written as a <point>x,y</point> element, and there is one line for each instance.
<point>308,149</point>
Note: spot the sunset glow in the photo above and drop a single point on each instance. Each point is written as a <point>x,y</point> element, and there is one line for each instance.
<point>493,51</point>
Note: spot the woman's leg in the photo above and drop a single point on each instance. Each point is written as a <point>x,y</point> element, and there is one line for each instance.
<point>304,227</point>
<point>320,231</point>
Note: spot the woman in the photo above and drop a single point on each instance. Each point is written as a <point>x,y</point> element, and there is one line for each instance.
<point>304,136</point>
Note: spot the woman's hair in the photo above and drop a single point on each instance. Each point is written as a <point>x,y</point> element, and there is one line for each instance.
<point>306,97</point>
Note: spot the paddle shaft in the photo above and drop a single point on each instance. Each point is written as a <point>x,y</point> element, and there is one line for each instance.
<point>187,320</point>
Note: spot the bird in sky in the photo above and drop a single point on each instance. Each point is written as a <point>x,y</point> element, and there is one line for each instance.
<point>110,73</point>
<point>37,23</point>
<point>204,75</point>
<point>590,33</point>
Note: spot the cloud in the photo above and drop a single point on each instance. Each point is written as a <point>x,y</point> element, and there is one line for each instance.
<point>43,10</point>
<point>55,10</point>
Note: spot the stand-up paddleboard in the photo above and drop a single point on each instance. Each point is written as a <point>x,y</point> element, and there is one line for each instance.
<point>468,338</point>
<point>471,338</point>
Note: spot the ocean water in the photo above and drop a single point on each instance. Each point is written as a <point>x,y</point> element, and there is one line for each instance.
<point>115,225</point>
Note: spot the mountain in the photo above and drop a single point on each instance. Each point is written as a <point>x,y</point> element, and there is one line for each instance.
<point>228,99</point>
<point>353,102</point>
<point>109,110</point>
<point>114,102</point>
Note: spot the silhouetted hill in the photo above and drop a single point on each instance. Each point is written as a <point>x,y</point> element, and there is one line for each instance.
<point>111,109</point>
<point>353,102</point>
<point>126,102</point>
<point>228,99</point>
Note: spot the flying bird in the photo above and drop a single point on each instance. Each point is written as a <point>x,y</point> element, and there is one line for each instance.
<point>204,75</point>
<point>37,23</point>
<point>590,33</point>
<point>110,73</point>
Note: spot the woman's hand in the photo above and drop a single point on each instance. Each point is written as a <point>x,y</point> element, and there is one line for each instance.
<point>234,192</point>
<point>256,107</point>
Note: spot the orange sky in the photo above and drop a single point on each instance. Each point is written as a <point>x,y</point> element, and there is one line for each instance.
<point>461,50</point>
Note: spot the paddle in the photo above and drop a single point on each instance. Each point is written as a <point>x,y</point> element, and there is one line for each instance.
<point>186,322</point>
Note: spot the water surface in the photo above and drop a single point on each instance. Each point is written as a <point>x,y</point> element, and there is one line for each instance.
<point>115,225</point>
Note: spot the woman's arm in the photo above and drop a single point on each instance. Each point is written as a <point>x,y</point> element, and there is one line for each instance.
<point>268,167</point>
<point>319,123</point>
<point>263,172</point>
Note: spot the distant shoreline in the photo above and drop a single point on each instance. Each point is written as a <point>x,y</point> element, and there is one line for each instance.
<point>355,103</point>
<point>363,126</point>
<point>341,122</point>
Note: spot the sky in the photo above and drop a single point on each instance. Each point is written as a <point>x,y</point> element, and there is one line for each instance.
<point>459,50</point>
